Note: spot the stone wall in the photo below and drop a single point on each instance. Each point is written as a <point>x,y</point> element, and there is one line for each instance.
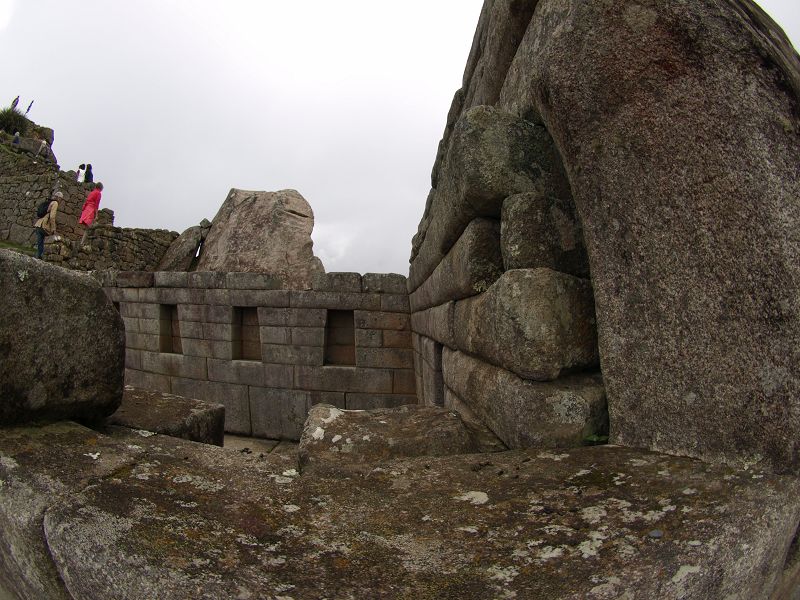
<point>194,335</point>
<point>109,247</point>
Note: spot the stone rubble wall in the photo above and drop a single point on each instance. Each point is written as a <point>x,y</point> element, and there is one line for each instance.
<point>109,247</point>
<point>271,397</point>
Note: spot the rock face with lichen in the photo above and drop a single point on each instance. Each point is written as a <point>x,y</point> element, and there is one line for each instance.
<point>265,232</point>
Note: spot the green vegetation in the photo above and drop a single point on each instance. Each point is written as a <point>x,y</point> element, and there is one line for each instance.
<point>12,120</point>
<point>17,248</point>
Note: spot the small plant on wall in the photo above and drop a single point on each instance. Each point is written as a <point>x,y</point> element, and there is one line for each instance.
<point>12,121</point>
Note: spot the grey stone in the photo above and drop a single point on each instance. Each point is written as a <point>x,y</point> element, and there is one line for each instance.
<point>591,507</point>
<point>182,252</point>
<point>535,322</point>
<point>471,266</point>
<point>252,281</point>
<point>266,232</point>
<point>333,437</point>
<point>174,365</point>
<point>403,381</point>
<point>336,282</point>
<point>436,323</point>
<point>233,397</point>
<point>541,230</point>
<point>391,358</point>
<point>292,317</point>
<point>292,355</point>
<point>395,303</point>
<point>690,220</point>
<point>62,344</point>
<point>491,155</point>
<point>267,298</point>
<point>147,381</point>
<point>381,320</point>
<point>384,283</point>
<point>568,412</point>
<point>278,414</point>
<point>170,279</point>
<point>335,300</point>
<point>343,379</point>
<point>207,279</point>
<point>135,279</point>
<point>170,415</point>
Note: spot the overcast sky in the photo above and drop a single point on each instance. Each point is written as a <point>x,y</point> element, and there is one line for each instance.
<point>174,102</point>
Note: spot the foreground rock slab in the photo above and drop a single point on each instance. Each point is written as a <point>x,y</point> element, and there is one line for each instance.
<point>185,520</point>
<point>333,437</point>
<point>169,414</point>
<point>62,344</point>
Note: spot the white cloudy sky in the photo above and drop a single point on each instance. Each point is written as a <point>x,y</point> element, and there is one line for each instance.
<point>176,101</point>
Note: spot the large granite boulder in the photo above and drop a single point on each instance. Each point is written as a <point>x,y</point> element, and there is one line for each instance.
<point>265,232</point>
<point>157,517</point>
<point>183,252</point>
<point>62,344</point>
<point>678,125</point>
<point>333,437</point>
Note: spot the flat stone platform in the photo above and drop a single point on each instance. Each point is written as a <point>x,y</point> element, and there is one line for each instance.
<point>128,515</point>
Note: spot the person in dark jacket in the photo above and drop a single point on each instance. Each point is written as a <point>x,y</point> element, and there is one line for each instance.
<point>88,177</point>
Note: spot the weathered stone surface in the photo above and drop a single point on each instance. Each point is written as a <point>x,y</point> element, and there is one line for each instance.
<point>471,266</point>
<point>541,230</point>
<point>568,412</point>
<point>62,344</point>
<point>183,251</point>
<point>436,323</point>
<point>535,322</point>
<point>686,182</point>
<point>266,232</point>
<point>171,415</point>
<point>337,282</point>
<point>384,283</point>
<point>602,522</point>
<point>492,155</point>
<point>333,437</point>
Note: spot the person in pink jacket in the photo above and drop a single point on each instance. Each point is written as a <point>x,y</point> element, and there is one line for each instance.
<point>90,208</point>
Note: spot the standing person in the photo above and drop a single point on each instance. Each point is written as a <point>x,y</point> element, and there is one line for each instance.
<point>88,177</point>
<point>46,225</point>
<point>15,141</point>
<point>90,208</point>
<point>81,173</point>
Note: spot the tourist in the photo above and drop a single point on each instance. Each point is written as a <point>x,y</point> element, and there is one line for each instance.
<point>42,146</point>
<point>15,141</point>
<point>46,225</point>
<point>90,207</point>
<point>88,177</point>
<point>81,172</point>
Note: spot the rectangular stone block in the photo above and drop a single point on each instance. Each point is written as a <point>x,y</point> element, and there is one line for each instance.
<point>537,323</point>
<point>335,300</point>
<point>308,336</point>
<point>175,365</point>
<point>139,310</point>
<point>219,297</point>
<point>431,352</point>
<point>252,281</point>
<point>292,317</point>
<point>218,331</point>
<point>384,283</point>
<point>276,335</point>
<point>191,312</point>
<point>395,303</point>
<point>207,348</point>
<point>278,414</point>
<point>131,325</point>
<point>432,385</point>
<point>436,323</point>
<point>122,294</point>
<point>529,414</point>
<point>381,320</point>
<point>207,280</point>
<point>343,379</point>
<point>358,401</point>
<point>236,371</point>
<point>215,313</point>
<point>171,279</point>
<point>369,338</point>
<point>233,397</point>
<point>385,358</point>
<point>336,399</point>
<point>147,381</point>
<point>404,382</point>
<point>336,282</point>
<point>471,266</point>
<point>292,355</point>
<point>135,279</point>
<point>106,277</point>
<point>397,339</point>
<point>191,329</point>
<point>174,295</point>
<point>141,341</point>
<point>275,298</point>
<point>133,359</point>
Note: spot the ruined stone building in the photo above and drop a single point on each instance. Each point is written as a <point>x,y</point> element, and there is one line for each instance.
<point>586,387</point>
